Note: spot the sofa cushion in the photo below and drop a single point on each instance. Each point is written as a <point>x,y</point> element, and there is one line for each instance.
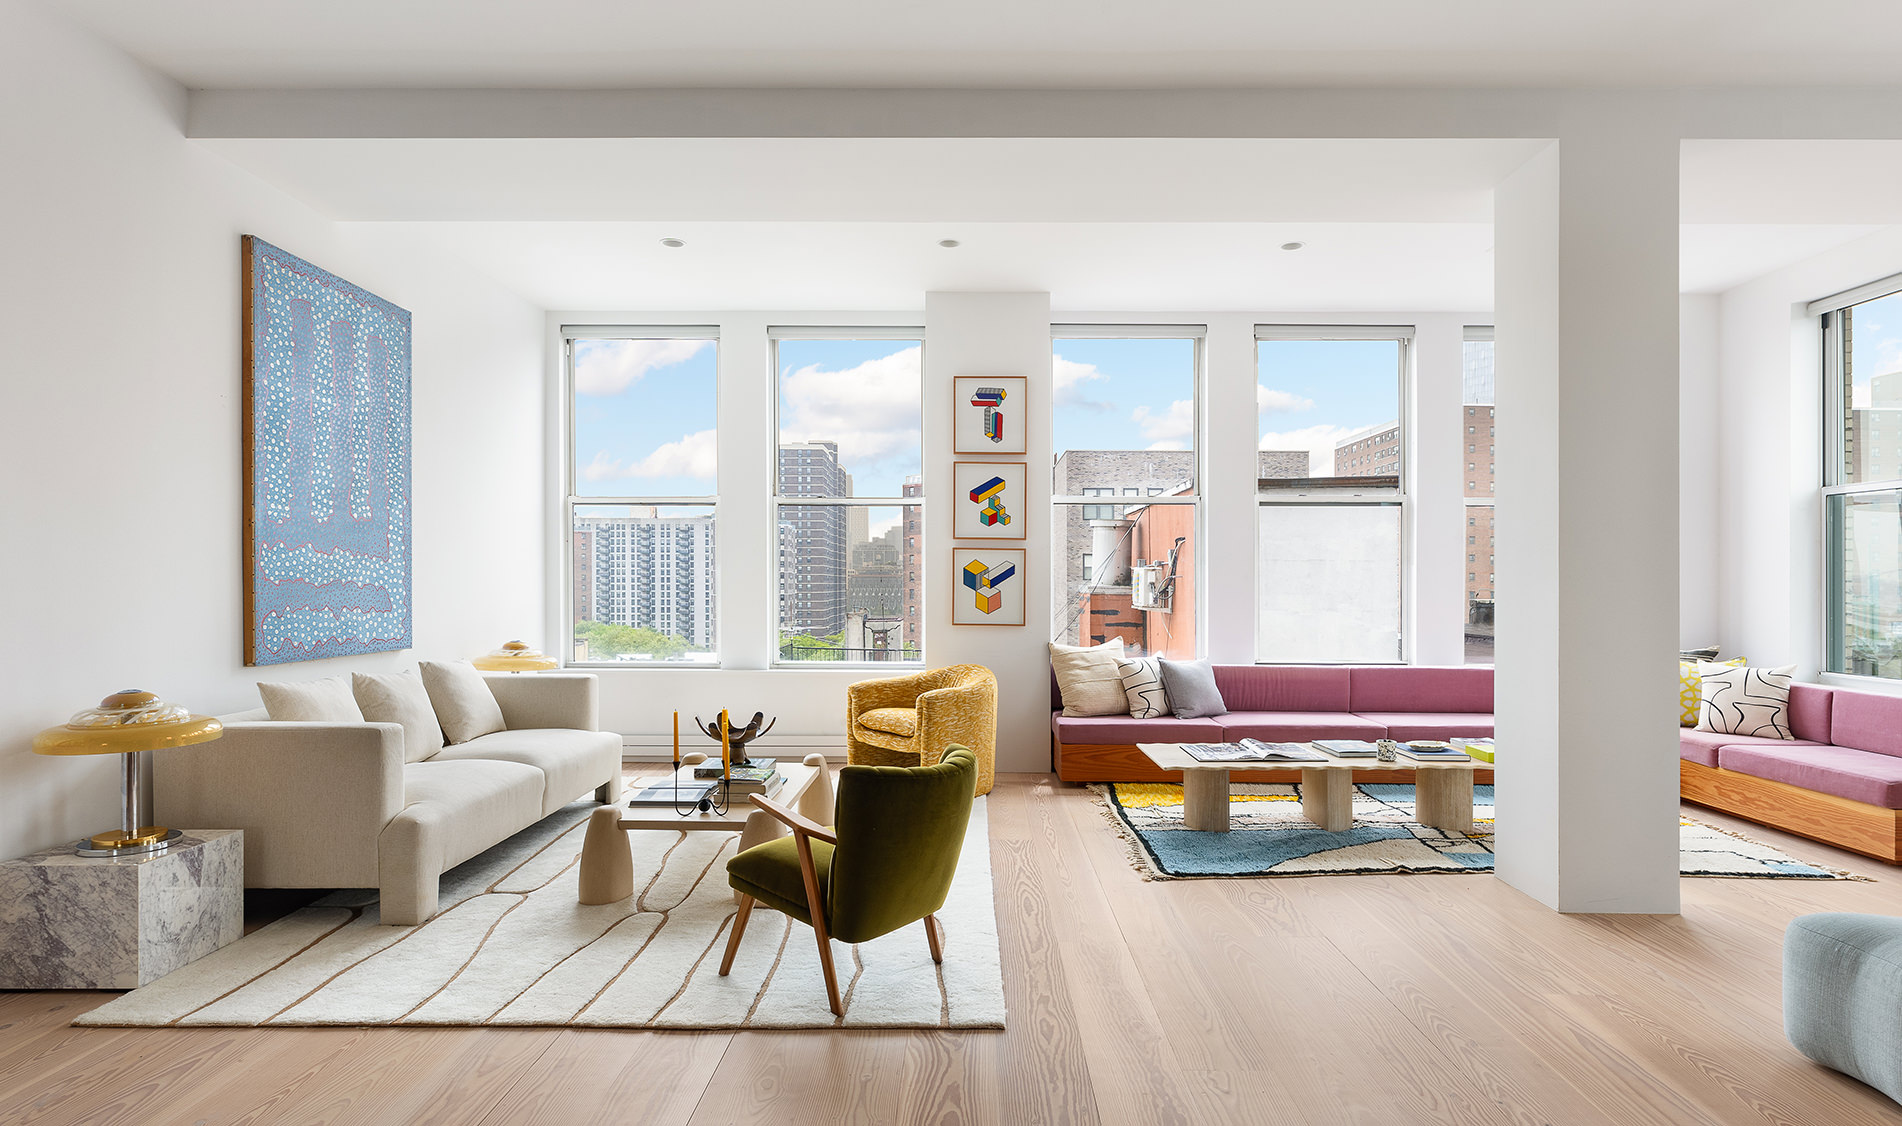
<point>1811,706</point>
<point>1746,700</point>
<point>1121,730</point>
<point>571,762</point>
<point>1297,727</point>
<point>461,699</point>
<point>1142,683</point>
<point>1690,687</point>
<point>893,721</point>
<point>1089,679</point>
<point>1402,688</point>
<point>400,698</point>
<point>1282,688</point>
<point>1431,725</point>
<point>1866,721</point>
<point>1702,746</point>
<point>479,802</point>
<point>1864,776</point>
<point>1190,686</point>
<point>311,701</point>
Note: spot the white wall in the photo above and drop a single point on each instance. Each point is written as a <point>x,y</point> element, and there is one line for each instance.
<point>1770,454</point>
<point>119,398</point>
<point>1699,476</point>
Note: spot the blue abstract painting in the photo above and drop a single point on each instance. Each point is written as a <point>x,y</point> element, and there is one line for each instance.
<point>327,463</point>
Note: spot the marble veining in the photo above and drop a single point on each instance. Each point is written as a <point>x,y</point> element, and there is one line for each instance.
<point>74,922</point>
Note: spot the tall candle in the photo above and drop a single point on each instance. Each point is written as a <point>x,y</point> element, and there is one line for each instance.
<point>676,742</point>
<point>726,749</point>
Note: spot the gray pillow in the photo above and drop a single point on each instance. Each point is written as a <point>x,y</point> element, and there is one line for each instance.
<point>1190,686</point>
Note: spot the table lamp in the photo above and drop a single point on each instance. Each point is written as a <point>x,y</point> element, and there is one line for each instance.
<point>515,656</point>
<point>126,723</point>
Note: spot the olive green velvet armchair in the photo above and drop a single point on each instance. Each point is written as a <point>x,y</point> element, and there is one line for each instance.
<point>887,861</point>
<point>910,720</point>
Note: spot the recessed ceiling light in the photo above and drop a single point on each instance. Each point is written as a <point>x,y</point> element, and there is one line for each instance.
<point>1293,245</point>
<point>948,243</point>
<point>672,242</point>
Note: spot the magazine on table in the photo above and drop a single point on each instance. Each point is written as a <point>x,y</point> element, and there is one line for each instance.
<point>758,770</point>
<point>1432,752</point>
<point>1346,748</point>
<point>664,792</point>
<point>1252,750</point>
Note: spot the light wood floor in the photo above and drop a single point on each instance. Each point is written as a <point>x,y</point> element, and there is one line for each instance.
<point>1330,1000</point>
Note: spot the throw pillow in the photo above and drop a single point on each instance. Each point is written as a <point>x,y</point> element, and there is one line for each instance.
<point>462,701</point>
<point>311,701</point>
<point>400,698</point>
<point>1707,653</point>
<point>1088,678</point>
<point>1690,689</point>
<point>1746,701</point>
<point>1142,684</point>
<point>1190,686</point>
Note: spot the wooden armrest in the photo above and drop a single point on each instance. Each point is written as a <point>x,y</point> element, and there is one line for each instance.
<point>798,824</point>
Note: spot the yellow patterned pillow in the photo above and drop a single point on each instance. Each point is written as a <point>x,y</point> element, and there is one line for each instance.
<point>1690,688</point>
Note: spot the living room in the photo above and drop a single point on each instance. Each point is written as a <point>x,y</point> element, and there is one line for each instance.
<point>1186,255</point>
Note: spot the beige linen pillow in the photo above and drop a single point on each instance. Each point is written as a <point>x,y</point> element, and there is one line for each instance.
<point>1089,678</point>
<point>400,698</point>
<point>311,701</point>
<point>462,701</point>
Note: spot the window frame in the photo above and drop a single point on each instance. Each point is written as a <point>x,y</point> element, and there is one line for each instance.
<point>1834,477</point>
<point>1400,495</point>
<point>775,333</point>
<point>1198,334</point>
<point>1482,334</point>
<point>570,333</point>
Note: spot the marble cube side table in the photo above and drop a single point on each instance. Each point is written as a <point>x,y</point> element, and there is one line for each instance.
<point>73,922</point>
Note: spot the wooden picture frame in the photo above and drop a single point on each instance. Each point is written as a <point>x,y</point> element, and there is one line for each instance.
<point>987,414</point>
<point>987,499</point>
<point>990,588</point>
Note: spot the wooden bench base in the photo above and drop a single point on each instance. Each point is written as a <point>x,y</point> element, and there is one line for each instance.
<point>1856,826</point>
<point>1122,762</point>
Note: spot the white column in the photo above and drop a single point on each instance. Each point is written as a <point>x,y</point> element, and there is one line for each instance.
<point>1586,303</point>
<point>993,334</point>
<point>1231,434</point>
<point>748,544</point>
<point>1436,599</point>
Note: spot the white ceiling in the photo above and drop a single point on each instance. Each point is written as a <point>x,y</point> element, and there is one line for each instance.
<point>1005,43</point>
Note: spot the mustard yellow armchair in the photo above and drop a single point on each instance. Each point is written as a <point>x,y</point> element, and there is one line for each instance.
<point>911,720</point>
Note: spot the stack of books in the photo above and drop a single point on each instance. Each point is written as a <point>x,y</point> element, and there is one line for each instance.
<point>1429,751</point>
<point>1481,749</point>
<point>1346,748</point>
<point>663,791</point>
<point>761,776</point>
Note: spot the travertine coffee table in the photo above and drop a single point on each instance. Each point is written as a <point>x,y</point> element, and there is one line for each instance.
<point>607,866</point>
<point>1443,791</point>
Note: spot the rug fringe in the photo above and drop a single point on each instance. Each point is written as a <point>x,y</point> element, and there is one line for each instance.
<point>1137,855</point>
<point>1839,873</point>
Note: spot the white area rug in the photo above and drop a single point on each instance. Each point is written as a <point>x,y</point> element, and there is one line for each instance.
<point>512,946</point>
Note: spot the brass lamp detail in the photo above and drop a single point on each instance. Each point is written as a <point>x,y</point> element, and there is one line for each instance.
<point>515,656</point>
<point>126,723</point>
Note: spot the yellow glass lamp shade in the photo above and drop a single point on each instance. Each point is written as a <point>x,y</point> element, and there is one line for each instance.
<point>126,723</point>
<point>515,656</point>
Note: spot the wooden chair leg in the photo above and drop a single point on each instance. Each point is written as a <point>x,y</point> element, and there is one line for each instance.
<point>934,934</point>
<point>825,963</point>
<point>739,928</point>
<point>816,907</point>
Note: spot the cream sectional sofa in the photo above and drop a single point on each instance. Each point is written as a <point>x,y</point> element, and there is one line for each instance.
<point>334,805</point>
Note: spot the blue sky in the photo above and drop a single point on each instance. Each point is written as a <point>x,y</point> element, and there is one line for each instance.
<point>1877,343</point>
<point>645,413</point>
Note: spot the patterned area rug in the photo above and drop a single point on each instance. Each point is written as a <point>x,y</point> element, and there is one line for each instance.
<point>1268,837</point>
<point>512,946</point>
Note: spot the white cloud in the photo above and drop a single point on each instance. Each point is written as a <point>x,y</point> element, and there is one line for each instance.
<point>1317,440</point>
<point>1069,377</point>
<point>611,370</point>
<point>1270,401</point>
<point>870,410</point>
<point>1169,430</point>
<point>694,455</point>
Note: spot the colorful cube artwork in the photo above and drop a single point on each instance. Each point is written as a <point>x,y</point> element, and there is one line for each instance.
<point>994,424</point>
<point>987,490</point>
<point>988,494</point>
<point>989,398</point>
<point>984,580</point>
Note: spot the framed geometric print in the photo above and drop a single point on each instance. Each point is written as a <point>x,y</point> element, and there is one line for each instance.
<point>987,414</point>
<point>987,499</point>
<point>326,464</point>
<point>989,587</point>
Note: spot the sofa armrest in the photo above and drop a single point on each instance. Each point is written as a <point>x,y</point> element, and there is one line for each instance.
<point>964,714</point>
<point>532,700</point>
<point>886,692</point>
<point>310,797</point>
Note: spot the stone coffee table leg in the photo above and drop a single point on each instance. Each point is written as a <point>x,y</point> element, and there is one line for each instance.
<point>1205,800</point>
<point>1327,797</point>
<point>607,859</point>
<point>1443,799</point>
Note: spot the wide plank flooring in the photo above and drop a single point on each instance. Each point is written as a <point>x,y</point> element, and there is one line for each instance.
<point>1391,1000</point>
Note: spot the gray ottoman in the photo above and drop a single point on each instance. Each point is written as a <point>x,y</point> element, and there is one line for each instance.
<point>1842,995</point>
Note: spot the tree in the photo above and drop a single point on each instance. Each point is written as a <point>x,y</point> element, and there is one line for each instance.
<point>606,640</point>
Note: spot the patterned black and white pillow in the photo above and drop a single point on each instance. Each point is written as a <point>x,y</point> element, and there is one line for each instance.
<point>1142,682</point>
<point>1746,701</point>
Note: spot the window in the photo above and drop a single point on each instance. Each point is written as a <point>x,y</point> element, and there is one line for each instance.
<point>641,492</point>
<point>1125,424</point>
<point>1329,523</point>
<point>1862,481</point>
<point>848,494</point>
<point>1476,401</point>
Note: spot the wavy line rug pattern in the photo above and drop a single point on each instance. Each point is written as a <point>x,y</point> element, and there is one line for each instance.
<point>513,947</point>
